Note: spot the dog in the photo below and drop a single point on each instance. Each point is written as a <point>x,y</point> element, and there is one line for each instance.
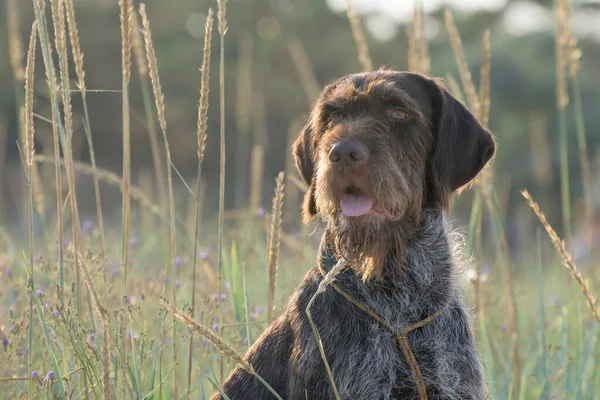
<point>382,152</point>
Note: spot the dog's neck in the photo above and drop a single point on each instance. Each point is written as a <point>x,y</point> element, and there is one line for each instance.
<point>427,238</point>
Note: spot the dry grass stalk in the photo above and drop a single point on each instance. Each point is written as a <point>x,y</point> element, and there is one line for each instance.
<point>328,279</point>
<point>137,44</point>
<point>257,166</point>
<point>126,12</point>
<point>160,106</point>
<point>210,335</point>
<point>29,90</point>
<point>14,40</point>
<point>243,119</point>
<point>78,58</point>
<point>425,61</point>
<point>360,39</point>
<point>484,85</point>
<point>273,257</point>
<point>58,17</point>
<point>202,126</point>
<point>29,136</point>
<point>413,52</point>
<point>291,205</point>
<point>562,59</point>
<point>565,255</point>
<point>418,51</point>
<point>111,178</point>
<point>222,10</point>
<point>75,46</point>
<point>243,111</point>
<point>51,79</point>
<point>455,88</point>
<point>38,191</point>
<point>540,150</point>
<point>463,67</point>
<point>155,147</point>
<point>159,97</point>
<point>305,70</point>
<point>146,184</point>
<point>574,55</point>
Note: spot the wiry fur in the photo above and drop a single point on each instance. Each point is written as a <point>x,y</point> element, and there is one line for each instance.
<point>404,269</point>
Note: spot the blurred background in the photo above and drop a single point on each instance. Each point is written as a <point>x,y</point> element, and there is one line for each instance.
<point>278,55</point>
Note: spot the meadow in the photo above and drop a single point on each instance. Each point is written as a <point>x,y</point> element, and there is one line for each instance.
<point>162,306</point>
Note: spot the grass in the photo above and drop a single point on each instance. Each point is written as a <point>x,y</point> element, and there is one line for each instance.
<point>75,323</point>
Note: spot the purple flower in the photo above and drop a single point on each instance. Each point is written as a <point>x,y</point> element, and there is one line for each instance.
<point>39,292</point>
<point>503,328</point>
<point>35,375</point>
<point>260,309</point>
<point>177,283</point>
<point>178,261</point>
<point>223,297</point>
<point>51,375</point>
<point>168,279</point>
<point>203,255</point>
<point>92,337</point>
<point>215,327</point>
<point>86,227</point>
<point>115,271</point>
<point>56,313</point>
<point>93,348</point>
<point>227,286</point>
<point>245,341</point>
<point>5,343</point>
<point>204,342</point>
<point>260,212</point>
<point>9,273</point>
<point>132,241</point>
<point>296,234</point>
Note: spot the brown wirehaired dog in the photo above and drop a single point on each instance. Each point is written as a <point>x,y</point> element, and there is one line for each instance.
<point>382,152</point>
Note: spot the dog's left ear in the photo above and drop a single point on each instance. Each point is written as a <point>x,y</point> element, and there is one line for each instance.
<point>303,156</point>
<point>462,145</point>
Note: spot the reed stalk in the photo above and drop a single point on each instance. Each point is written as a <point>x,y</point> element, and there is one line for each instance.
<point>201,135</point>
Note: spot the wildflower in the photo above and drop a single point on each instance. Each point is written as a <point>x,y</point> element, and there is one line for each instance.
<point>177,283</point>
<point>56,313</point>
<point>203,255</point>
<point>35,375</point>
<point>204,342</point>
<point>245,341</point>
<point>223,297</point>
<point>259,310</point>
<point>260,212</point>
<point>178,261</point>
<point>9,273</point>
<point>215,327</point>
<point>40,293</point>
<point>132,241</point>
<point>5,343</point>
<point>92,337</point>
<point>51,375</point>
<point>93,349</point>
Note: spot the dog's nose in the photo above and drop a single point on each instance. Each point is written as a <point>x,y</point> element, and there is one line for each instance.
<point>349,152</point>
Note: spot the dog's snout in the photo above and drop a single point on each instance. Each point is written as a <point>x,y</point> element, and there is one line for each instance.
<point>348,152</point>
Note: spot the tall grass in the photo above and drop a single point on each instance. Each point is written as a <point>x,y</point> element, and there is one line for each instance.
<point>115,347</point>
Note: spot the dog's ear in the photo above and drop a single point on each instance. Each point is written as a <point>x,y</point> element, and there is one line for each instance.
<point>304,158</point>
<point>462,145</point>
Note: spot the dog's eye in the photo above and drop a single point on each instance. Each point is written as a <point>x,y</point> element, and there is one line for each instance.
<point>398,113</point>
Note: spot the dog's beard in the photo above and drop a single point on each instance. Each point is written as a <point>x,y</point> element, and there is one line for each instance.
<point>366,243</point>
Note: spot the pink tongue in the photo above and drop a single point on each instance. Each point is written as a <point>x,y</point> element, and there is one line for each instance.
<point>355,206</point>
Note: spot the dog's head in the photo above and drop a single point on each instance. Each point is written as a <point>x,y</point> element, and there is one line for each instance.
<point>376,149</point>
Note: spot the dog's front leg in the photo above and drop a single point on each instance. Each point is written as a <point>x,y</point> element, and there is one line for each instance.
<point>270,357</point>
